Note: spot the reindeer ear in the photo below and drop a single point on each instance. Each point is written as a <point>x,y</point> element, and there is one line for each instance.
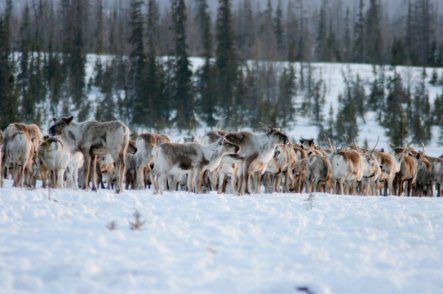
<point>69,119</point>
<point>54,119</point>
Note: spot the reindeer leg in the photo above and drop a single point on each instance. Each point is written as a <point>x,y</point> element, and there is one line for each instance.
<point>86,167</point>
<point>140,177</point>
<point>93,172</point>
<point>121,173</point>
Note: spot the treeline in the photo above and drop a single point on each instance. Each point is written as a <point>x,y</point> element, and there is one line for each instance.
<point>144,76</point>
<point>402,109</point>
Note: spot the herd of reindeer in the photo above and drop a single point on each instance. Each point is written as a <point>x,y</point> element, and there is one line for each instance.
<point>91,155</point>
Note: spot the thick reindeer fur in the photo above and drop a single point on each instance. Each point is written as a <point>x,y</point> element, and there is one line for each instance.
<point>437,173</point>
<point>256,150</point>
<point>301,173</point>
<point>407,174</point>
<point>228,169</point>
<point>32,133</point>
<point>19,152</point>
<point>212,136</point>
<point>281,167</point>
<point>346,170</point>
<point>54,159</point>
<point>371,173</point>
<point>389,168</point>
<point>131,171</point>
<point>106,164</point>
<point>193,159</point>
<point>74,165</point>
<point>143,157</point>
<point>94,138</point>
<point>423,185</point>
<point>319,173</point>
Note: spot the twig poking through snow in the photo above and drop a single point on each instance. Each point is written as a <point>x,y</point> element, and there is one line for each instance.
<point>310,201</point>
<point>137,224</point>
<point>112,226</point>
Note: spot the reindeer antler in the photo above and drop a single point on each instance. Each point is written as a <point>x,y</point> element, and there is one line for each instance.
<point>376,143</point>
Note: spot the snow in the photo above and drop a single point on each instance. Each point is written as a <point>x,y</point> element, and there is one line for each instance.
<point>58,241</point>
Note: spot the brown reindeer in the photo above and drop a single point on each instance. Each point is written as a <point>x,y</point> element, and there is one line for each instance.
<point>28,134</point>
<point>143,157</point>
<point>347,170</point>
<point>389,168</point>
<point>407,174</point>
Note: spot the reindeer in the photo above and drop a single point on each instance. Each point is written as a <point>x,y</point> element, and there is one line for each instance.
<point>256,151</point>
<point>407,173</point>
<point>346,170</point>
<point>107,170</point>
<point>300,169</point>
<point>74,165</point>
<point>281,168</point>
<point>371,174</point>
<point>131,171</point>
<point>28,132</point>
<point>228,170</point>
<point>54,159</point>
<point>389,167</point>
<point>94,138</point>
<point>437,173</point>
<point>190,158</point>
<point>423,183</point>
<point>143,157</point>
<point>319,173</point>
<point>19,152</point>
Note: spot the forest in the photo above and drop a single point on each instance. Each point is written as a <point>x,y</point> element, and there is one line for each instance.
<point>256,64</point>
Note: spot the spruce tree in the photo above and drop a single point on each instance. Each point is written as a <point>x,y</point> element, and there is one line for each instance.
<point>358,50</point>
<point>373,36</point>
<point>106,109</point>
<point>77,61</point>
<point>421,120</point>
<point>346,120</point>
<point>286,94</point>
<point>137,65</point>
<point>158,107</point>
<point>321,41</point>
<point>226,62</point>
<point>8,93</point>
<point>395,113</point>
<point>279,31</point>
<point>347,42</point>
<point>183,95</point>
<point>206,82</point>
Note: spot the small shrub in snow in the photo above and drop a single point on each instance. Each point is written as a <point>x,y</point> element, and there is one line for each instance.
<point>137,224</point>
<point>112,226</point>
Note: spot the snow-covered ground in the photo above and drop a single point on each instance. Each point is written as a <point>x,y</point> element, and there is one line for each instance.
<point>59,242</point>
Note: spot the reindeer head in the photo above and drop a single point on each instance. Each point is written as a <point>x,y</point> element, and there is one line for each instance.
<point>307,143</point>
<point>227,147</point>
<point>59,125</point>
<point>277,136</point>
